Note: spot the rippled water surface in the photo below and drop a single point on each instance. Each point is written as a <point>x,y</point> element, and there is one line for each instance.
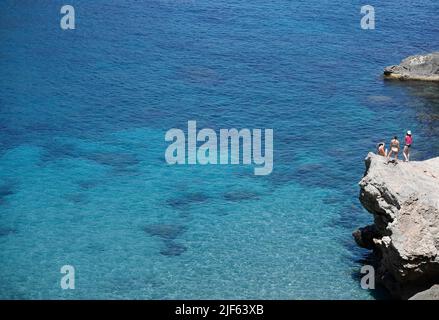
<point>83,114</point>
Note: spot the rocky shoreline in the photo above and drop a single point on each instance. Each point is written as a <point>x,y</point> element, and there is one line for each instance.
<point>418,67</point>
<point>404,200</point>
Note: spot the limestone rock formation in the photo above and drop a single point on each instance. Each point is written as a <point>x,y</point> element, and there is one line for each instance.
<point>429,294</point>
<point>404,200</point>
<point>418,67</point>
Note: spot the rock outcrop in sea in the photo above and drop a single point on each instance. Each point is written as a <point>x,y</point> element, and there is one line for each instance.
<point>418,67</point>
<point>429,294</point>
<point>404,200</point>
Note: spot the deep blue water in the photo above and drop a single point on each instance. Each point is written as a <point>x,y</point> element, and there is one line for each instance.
<point>83,114</point>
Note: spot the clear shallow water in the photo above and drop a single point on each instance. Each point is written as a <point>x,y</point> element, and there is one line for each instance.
<point>83,116</point>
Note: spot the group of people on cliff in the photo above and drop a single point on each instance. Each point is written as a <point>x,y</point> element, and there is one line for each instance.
<point>395,148</point>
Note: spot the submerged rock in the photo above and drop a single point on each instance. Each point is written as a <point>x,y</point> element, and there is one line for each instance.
<point>7,231</point>
<point>240,195</point>
<point>165,231</point>
<point>168,233</point>
<point>404,199</point>
<point>114,159</point>
<point>76,198</point>
<point>418,67</point>
<point>185,200</point>
<point>5,191</point>
<point>173,249</point>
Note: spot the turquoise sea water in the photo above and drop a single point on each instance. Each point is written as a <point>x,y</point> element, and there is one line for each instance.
<point>83,115</point>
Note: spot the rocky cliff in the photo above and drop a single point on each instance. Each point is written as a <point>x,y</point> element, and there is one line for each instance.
<point>419,67</point>
<point>404,200</point>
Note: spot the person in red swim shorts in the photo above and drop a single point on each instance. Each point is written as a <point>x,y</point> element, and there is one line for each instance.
<point>408,145</point>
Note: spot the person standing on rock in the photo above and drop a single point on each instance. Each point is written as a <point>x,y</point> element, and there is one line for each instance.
<point>408,144</point>
<point>394,149</point>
